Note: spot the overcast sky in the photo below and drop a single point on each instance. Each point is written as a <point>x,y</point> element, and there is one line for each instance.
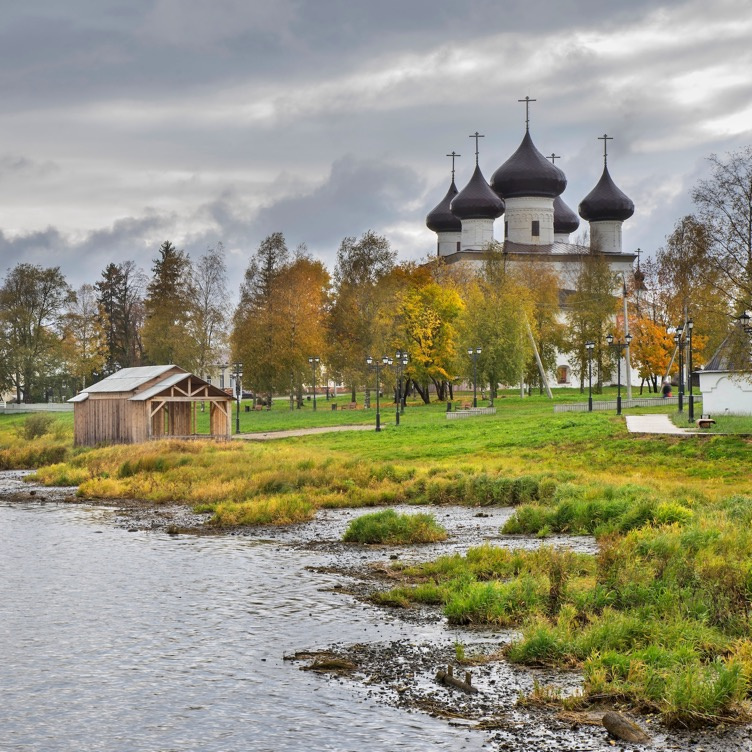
<point>124,124</point>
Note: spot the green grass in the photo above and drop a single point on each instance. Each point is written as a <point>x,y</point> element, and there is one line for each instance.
<point>388,527</point>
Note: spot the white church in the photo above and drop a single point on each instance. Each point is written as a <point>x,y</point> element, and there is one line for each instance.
<point>526,191</point>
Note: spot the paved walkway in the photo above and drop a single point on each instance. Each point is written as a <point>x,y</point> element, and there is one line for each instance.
<point>267,435</point>
<point>654,424</point>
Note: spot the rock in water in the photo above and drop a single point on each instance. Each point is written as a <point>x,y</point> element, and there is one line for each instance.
<point>617,725</point>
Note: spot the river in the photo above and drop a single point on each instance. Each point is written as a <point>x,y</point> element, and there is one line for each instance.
<point>141,641</point>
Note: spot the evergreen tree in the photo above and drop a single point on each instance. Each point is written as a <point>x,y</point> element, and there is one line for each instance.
<point>167,334</point>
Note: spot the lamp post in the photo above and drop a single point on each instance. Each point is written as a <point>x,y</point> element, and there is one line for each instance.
<point>314,361</point>
<point>590,346</point>
<point>619,347</point>
<point>402,360</point>
<point>691,412</point>
<point>474,352</point>
<point>238,393</point>
<point>375,363</point>
<point>680,346</point>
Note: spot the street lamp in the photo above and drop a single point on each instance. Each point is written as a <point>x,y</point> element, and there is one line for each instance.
<point>375,363</point>
<point>691,414</point>
<point>474,352</point>
<point>590,346</point>
<point>680,346</point>
<point>238,393</point>
<point>314,361</point>
<point>402,360</point>
<point>619,347</point>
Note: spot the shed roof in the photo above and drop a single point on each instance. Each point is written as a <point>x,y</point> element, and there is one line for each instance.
<point>172,380</point>
<point>130,379</point>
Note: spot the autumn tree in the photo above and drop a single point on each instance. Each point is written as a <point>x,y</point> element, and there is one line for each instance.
<point>427,315</point>
<point>542,284</point>
<point>32,304</point>
<point>362,264</point>
<point>690,284</point>
<point>724,208</point>
<point>589,310</point>
<point>167,334</point>
<point>84,343</point>
<point>496,316</point>
<point>209,308</point>
<point>300,303</point>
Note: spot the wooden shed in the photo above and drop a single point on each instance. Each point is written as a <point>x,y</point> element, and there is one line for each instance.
<point>149,402</point>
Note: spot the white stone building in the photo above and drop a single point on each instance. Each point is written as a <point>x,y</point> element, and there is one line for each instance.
<point>725,384</point>
<point>526,191</point>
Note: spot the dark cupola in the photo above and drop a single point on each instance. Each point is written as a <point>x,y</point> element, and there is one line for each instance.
<point>565,220</point>
<point>476,200</point>
<point>528,173</point>
<point>606,203</point>
<point>440,218</point>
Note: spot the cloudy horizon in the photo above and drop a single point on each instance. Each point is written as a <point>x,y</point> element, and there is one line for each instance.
<point>127,124</point>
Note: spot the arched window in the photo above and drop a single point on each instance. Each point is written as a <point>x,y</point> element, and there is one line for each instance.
<point>562,375</point>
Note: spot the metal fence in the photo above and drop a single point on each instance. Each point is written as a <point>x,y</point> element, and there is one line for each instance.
<point>469,412</point>
<point>581,407</point>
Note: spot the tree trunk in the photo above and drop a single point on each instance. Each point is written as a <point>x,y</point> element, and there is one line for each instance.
<point>423,392</point>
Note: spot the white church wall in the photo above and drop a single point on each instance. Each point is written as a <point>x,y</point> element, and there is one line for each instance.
<point>606,236</point>
<point>520,215</point>
<point>477,234</point>
<point>449,242</point>
<point>726,393</point>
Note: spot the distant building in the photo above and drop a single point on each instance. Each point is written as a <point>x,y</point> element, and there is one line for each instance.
<point>526,191</point>
<point>726,380</point>
<point>149,402</point>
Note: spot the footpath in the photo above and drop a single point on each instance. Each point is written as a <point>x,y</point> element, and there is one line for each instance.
<point>656,424</point>
<point>268,435</point>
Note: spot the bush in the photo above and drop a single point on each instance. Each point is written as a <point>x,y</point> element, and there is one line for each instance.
<point>395,529</point>
<point>37,425</point>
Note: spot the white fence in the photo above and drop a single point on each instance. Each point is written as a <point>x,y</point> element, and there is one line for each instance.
<point>13,408</point>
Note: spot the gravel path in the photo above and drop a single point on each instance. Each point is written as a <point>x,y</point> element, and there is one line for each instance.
<point>267,435</point>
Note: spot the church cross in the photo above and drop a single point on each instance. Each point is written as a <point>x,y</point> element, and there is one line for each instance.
<point>638,257</point>
<point>527,101</point>
<point>476,136</point>
<point>605,138</point>
<point>453,155</point>
<point>554,157</point>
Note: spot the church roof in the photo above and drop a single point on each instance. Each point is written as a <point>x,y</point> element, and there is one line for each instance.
<point>528,173</point>
<point>440,218</point>
<point>565,220</point>
<point>476,200</point>
<point>606,202</point>
<point>732,354</point>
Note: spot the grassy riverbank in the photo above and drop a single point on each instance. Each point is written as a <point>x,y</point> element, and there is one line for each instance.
<point>659,619</point>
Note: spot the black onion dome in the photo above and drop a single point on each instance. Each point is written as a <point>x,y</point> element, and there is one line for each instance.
<point>440,218</point>
<point>528,173</point>
<point>476,200</point>
<point>606,202</point>
<point>565,220</point>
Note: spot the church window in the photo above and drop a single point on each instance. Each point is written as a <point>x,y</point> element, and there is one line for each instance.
<point>506,229</point>
<point>536,228</point>
<point>458,246</point>
<point>562,375</point>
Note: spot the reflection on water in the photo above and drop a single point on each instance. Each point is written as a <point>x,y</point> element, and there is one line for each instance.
<point>139,641</point>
